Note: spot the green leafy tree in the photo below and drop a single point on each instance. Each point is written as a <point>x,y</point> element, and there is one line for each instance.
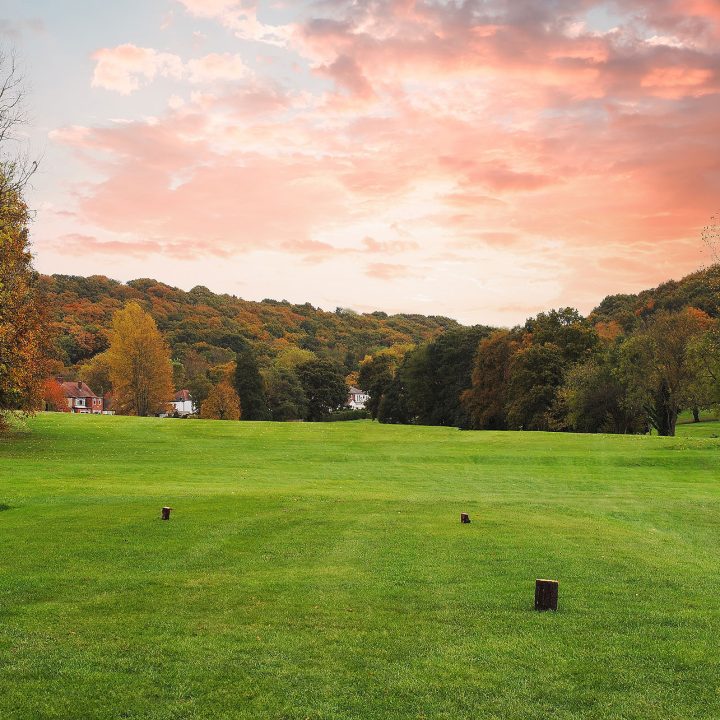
<point>249,384</point>
<point>394,407</point>
<point>324,386</point>
<point>96,373</point>
<point>659,365</point>
<point>436,375</point>
<point>535,374</point>
<point>568,330</point>
<point>285,395</point>
<point>596,399</point>
<point>377,373</point>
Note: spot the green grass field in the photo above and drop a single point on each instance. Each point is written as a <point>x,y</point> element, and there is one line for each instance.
<point>321,571</point>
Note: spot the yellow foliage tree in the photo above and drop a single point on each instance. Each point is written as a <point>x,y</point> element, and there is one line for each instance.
<point>222,403</point>
<point>139,362</point>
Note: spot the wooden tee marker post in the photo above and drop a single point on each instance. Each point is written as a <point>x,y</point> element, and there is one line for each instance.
<point>166,513</point>
<point>464,518</point>
<point>546,594</point>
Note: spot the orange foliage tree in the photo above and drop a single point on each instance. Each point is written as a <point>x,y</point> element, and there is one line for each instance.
<point>54,397</point>
<point>222,403</point>
<point>21,318</point>
<point>139,362</point>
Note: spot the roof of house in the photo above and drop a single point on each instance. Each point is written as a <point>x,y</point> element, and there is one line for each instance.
<point>183,396</point>
<point>356,391</point>
<point>77,390</point>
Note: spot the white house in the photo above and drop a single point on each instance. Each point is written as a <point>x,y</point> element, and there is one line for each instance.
<point>357,399</point>
<point>183,403</point>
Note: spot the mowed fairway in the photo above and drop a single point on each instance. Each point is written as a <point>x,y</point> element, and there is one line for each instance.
<point>321,571</point>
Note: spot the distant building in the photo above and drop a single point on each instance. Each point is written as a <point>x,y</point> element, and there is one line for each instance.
<point>357,399</point>
<point>183,403</point>
<point>80,398</point>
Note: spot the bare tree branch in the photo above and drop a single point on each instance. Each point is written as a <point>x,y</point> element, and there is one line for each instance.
<point>16,167</point>
<point>711,237</point>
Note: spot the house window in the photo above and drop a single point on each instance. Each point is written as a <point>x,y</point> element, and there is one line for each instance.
<point>80,402</point>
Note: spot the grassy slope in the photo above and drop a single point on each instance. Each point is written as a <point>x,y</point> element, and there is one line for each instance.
<point>320,571</point>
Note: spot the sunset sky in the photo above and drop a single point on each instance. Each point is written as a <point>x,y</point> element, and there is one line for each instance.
<point>481,159</point>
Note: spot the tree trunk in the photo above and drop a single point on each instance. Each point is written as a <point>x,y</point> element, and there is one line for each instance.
<point>696,414</point>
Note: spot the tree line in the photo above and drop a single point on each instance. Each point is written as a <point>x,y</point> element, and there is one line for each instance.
<point>635,363</point>
<point>139,377</point>
<point>559,371</point>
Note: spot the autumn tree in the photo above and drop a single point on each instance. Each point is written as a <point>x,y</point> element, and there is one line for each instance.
<point>53,397</point>
<point>96,373</point>
<point>222,403</point>
<point>485,402</point>
<point>139,361</point>
<point>21,333</point>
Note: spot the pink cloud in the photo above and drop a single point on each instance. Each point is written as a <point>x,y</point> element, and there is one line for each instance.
<point>217,66</point>
<point>517,133</point>
<point>125,68</point>
<point>390,271</point>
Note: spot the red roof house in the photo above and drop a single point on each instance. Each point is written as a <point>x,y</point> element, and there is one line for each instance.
<point>80,398</point>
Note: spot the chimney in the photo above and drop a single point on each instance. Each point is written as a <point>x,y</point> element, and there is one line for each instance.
<point>79,384</point>
<point>59,378</point>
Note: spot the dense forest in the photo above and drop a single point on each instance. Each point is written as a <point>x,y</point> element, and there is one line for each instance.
<point>634,363</point>
<point>82,310</point>
<point>214,337</point>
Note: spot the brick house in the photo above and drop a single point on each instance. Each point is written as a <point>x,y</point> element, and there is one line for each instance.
<point>80,398</point>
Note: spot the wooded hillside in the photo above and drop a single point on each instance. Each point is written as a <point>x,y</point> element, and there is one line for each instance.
<point>81,309</point>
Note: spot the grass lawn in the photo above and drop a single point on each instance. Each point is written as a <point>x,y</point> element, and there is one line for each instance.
<point>321,571</point>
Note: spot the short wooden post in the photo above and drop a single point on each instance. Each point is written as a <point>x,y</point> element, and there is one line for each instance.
<point>166,513</point>
<point>546,594</point>
<point>464,518</point>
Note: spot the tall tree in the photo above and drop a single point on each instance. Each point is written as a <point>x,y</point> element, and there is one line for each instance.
<point>535,374</point>
<point>222,403</point>
<point>21,317</point>
<point>249,384</point>
<point>660,366</point>
<point>324,386</point>
<point>285,394</point>
<point>377,373</point>
<point>96,373</point>
<point>436,375</point>
<point>485,402</point>
<point>596,398</point>
<point>139,361</point>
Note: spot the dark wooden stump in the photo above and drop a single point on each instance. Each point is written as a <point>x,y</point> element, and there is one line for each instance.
<point>546,594</point>
<point>464,518</point>
<point>166,513</point>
